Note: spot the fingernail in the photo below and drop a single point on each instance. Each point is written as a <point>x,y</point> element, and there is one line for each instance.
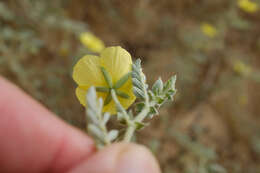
<point>137,159</point>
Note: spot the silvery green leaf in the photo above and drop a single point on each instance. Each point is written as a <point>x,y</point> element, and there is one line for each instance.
<point>138,93</point>
<point>137,64</point>
<point>144,79</point>
<point>135,75</point>
<point>106,117</point>
<point>138,79</point>
<point>137,71</point>
<point>137,83</point>
<point>157,86</point>
<point>97,121</point>
<point>173,79</point>
<point>112,135</point>
<point>100,105</point>
<point>91,98</point>
<point>170,84</point>
<point>95,131</point>
<point>167,93</point>
<point>92,116</point>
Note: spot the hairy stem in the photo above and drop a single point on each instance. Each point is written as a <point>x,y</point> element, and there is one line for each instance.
<point>131,123</point>
<point>119,106</point>
<point>132,127</point>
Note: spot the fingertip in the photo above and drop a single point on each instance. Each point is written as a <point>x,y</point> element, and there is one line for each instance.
<point>120,158</point>
<point>35,139</point>
<point>137,159</point>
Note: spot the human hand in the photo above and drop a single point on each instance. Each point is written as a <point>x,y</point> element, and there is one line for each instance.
<point>33,140</point>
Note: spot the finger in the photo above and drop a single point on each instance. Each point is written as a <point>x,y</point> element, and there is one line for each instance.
<point>33,139</point>
<point>120,158</point>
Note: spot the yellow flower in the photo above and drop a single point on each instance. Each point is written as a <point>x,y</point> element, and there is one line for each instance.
<point>91,42</point>
<point>241,68</point>
<point>248,6</point>
<point>209,30</point>
<point>92,70</point>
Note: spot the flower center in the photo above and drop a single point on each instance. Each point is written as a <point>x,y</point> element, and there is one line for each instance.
<point>114,87</point>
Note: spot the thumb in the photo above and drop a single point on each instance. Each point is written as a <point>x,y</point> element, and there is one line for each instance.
<point>120,158</point>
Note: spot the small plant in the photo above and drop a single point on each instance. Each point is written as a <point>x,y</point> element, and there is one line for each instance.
<point>108,85</point>
<point>209,30</point>
<point>248,6</point>
<point>91,42</point>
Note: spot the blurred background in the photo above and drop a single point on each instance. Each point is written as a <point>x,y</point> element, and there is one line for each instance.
<point>213,46</point>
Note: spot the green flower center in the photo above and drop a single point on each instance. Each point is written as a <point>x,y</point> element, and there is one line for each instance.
<point>114,87</point>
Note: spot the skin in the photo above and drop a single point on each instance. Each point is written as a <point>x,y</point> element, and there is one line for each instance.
<point>32,139</point>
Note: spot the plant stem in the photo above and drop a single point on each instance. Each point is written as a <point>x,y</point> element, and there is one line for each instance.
<point>129,133</point>
<point>119,106</point>
<point>131,129</point>
<point>131,122</point>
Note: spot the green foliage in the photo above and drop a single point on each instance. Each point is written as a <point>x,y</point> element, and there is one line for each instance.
<point>97,121</point>
<point>150,105</point>
<point>206,156</point>
<point>139,81</point>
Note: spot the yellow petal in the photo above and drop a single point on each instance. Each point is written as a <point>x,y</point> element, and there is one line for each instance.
<point>87,72</point>
<point>117,61</point>
<point>81,95</point>
<point>128,89</point>
<point>92,42</point>
<point>111,108</point>
<point>248,6</point>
